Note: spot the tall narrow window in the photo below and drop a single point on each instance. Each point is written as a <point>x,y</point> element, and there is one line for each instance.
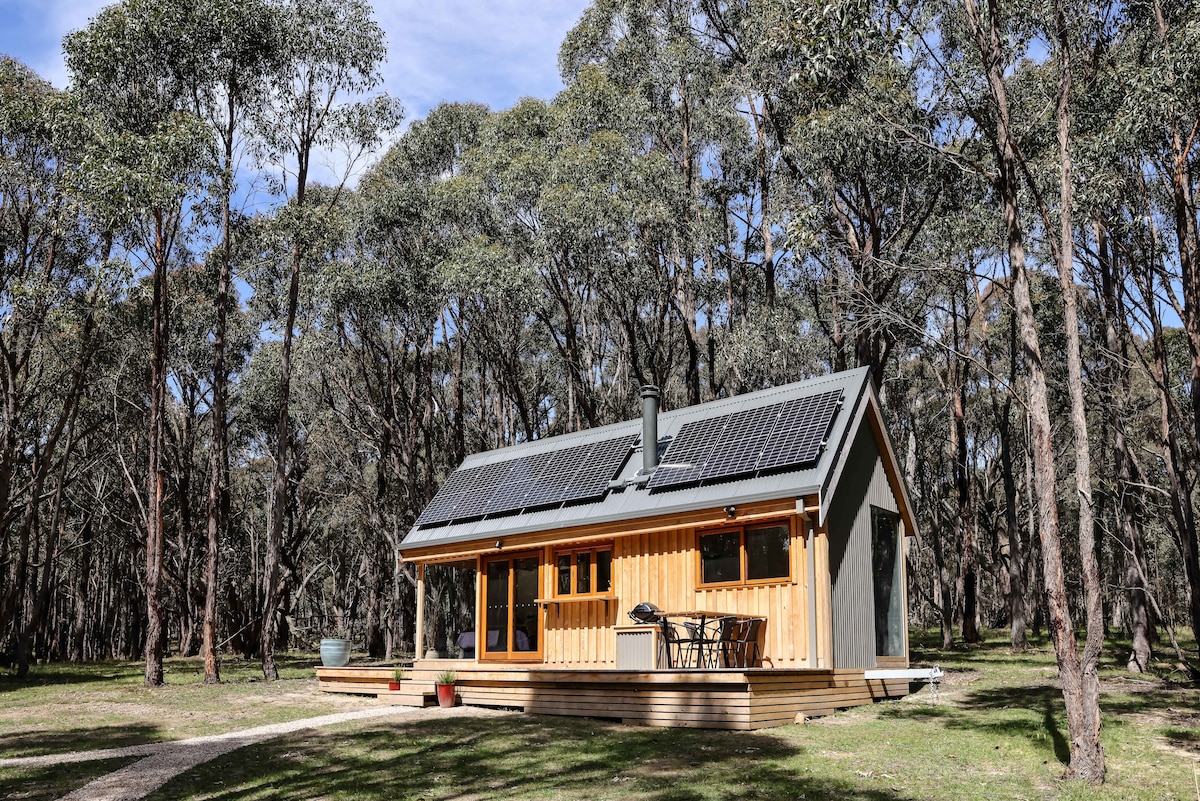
<point>497,607</point>
<point>888,583</point>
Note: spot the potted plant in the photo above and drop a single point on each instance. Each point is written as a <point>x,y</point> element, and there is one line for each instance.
<point>445,687</point>
<point>397,677</point>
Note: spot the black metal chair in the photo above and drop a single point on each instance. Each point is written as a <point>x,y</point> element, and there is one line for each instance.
<point>678,649</point>
<point>714,642</point>
<point>742,647</point>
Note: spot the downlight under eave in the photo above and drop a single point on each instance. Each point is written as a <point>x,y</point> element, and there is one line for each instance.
<point>767,439</point>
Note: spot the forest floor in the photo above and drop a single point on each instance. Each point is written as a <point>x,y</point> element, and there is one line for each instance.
<point>995,731</point>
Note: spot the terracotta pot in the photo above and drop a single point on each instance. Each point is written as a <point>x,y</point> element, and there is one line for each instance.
<point>393,686</point>
<point>445,695</point>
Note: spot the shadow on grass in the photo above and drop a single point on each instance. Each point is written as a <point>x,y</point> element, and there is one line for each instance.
<point>1036,712</point>
<point>43,784</point>
<point>43,676</point>
<point>178,671</point>
<point>36,743</point>
<point>515,757</point>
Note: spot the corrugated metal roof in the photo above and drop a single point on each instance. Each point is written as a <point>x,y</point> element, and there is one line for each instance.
<point>637,501</point>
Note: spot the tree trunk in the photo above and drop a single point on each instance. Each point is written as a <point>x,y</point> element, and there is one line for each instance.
<point>1087,753</point>
<point>1079,692</point>
<point>156,635</point>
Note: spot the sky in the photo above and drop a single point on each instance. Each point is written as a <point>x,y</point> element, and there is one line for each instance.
<point>488,51</point>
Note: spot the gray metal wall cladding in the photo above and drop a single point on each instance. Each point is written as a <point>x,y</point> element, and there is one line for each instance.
<point>863,484</point>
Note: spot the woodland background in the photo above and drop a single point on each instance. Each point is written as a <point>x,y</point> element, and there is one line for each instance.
<point>219,418</point>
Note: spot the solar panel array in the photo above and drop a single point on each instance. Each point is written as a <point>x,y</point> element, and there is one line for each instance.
<point>788,434</point>
<point>578,473</point>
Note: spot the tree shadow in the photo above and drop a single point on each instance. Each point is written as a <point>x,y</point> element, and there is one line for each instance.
<point>516,757</point>
<point>58,675</point>
<point>37,743</point>
<point>54,781</point>
<point>1062,750</point>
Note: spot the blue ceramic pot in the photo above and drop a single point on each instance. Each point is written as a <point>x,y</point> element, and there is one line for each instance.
<point>335,653</point>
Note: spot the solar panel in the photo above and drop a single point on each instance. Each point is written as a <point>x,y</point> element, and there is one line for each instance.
<point>522,476</point>
<point>800,431</point>
<point>571,474</point>
<point>685,458</point>
<point>788,434</point>
<point>741,442</point>
<point>557,475</point>
<point>600,467</point>
<point>485,484</point>
<point>449,496</point>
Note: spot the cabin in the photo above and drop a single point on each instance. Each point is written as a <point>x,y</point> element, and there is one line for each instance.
<point>758,541</point>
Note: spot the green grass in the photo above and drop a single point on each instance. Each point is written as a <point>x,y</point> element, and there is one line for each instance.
<point>997,731</point>
<point>44,784</point>
<point>67,707</point>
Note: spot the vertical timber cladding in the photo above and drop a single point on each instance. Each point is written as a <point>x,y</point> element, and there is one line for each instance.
<point>862,485</point>
<point>662,568</point>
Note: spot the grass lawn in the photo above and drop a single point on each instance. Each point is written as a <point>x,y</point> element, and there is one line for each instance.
<point>996,732</point>
<point>67,707</point>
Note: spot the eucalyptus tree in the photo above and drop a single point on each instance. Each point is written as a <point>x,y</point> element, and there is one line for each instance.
<point>1160,118</point>
<point>653,50</point>
<point>236,48</point>
<point>991,97</point>
<point>49,286</point>
<point>153,156</point>
<point>330,50</point>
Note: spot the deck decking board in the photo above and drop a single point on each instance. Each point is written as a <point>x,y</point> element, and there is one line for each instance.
<point>724,699</point>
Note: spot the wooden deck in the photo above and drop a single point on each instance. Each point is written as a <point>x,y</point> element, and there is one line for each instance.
<point>714,699</point>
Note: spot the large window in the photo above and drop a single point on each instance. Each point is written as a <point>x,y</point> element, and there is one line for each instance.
<point>583,571</point>
<point>748,554</point>
<point>512,622</point>
<point>888,582</point>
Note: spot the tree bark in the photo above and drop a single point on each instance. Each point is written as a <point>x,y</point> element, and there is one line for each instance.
<point>156,635</point>
<point>1083,719</point>
<point>1087,753</point>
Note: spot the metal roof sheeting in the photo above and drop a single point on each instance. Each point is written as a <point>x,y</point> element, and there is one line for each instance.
<point>636,501</point>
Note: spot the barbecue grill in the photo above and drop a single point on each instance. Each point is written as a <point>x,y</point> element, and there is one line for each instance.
<point>645,613</point>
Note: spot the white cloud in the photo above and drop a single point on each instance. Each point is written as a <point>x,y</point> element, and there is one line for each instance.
<point>472,50</point>
<point>492,52</point>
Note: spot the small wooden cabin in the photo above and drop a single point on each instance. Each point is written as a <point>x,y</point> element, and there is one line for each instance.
<point>785,505</point>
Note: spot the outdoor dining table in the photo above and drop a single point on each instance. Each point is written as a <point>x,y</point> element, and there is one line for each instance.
<point>703,616</point>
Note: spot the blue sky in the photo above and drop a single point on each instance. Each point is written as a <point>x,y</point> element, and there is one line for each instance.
<point>489,51</point>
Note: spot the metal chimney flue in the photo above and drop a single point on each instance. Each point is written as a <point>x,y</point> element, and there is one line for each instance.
<point>649,429</point>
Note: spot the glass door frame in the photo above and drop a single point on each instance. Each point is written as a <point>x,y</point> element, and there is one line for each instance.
<point>510,655</point>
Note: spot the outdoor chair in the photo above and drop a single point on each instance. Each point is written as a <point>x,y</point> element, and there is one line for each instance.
<point>677,648</point>
<point>712,648</point>
<point>742,647</point>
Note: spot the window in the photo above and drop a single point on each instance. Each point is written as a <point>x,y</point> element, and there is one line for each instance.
<point>749,554</point>
<point>890,621</point>
<point>585,571</point>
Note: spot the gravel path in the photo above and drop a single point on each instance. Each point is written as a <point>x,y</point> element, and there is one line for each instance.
<point>165,761</point>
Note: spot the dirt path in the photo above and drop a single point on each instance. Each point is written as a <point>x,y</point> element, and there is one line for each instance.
<point>164,761</point>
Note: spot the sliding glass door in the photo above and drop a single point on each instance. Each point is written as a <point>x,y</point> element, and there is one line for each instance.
<point>512,618</point>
